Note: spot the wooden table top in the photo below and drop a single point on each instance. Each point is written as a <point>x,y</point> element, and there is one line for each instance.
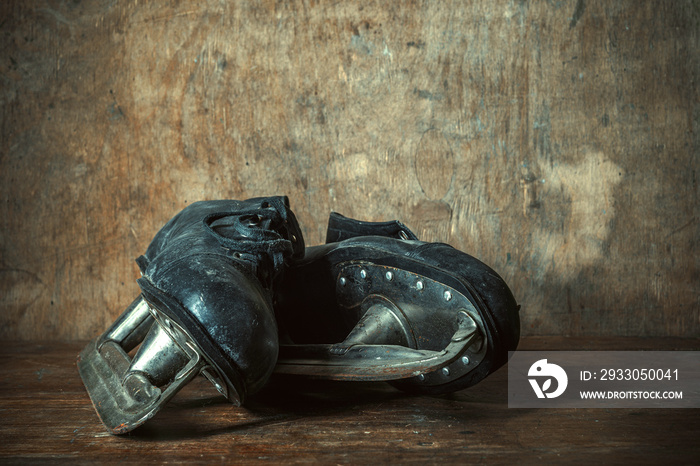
<point>47,415</point>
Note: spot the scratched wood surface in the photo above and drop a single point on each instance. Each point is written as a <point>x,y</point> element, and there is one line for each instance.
<point>47,416</point>
<point>556,140</point>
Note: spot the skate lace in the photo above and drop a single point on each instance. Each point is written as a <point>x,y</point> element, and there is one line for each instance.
<point>270,231</point>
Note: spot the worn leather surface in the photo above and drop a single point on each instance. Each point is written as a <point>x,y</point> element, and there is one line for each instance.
<point>212,268</point>
<point>501,309</point>
<point>309,314</point>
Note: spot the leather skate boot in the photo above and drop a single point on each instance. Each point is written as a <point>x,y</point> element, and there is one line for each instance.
<point>376,304</point>
<point>205,308</point>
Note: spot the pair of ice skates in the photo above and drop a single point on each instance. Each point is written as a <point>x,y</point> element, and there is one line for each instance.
<point>229,291</point>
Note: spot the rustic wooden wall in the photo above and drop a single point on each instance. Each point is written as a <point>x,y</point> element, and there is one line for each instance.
<point>556,140</point>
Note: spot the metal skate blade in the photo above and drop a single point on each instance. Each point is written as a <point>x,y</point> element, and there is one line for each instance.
<point>123,407</point>
<point>127,392</point>
<point>412,327</point>
<point>373,362</point>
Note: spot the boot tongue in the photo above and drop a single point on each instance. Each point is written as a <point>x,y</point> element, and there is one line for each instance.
<point>271,229</point>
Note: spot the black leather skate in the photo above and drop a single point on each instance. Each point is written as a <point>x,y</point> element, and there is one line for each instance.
<point>374,303</point>
<point>205,308</point>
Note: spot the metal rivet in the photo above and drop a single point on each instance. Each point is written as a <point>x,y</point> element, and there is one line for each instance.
<point>447,295</point>
<point>445,371</point>
<point>419,285</point>
<point>389,276</point>
<point>465,360</point>
<point>421,377</point>
<point>363,273</point>
<point>343,281</point>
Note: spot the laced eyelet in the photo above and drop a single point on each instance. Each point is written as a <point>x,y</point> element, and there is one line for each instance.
<point>253,221</point>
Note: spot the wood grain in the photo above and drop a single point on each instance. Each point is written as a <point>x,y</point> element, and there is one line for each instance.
<point>556,141</point>
<point>47,416</point>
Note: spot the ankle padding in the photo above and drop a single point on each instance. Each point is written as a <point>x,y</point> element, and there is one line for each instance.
<point>341,228</point>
